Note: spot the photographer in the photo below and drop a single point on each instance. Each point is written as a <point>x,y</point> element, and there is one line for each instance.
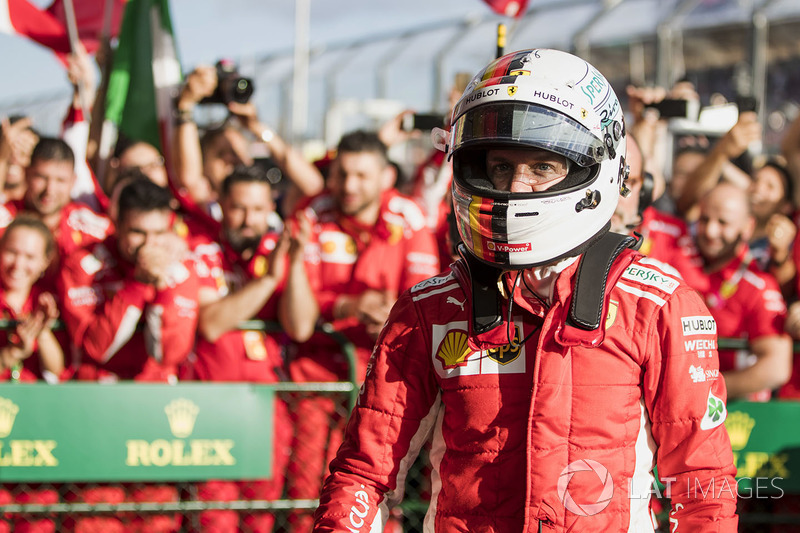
<point>201,166</point>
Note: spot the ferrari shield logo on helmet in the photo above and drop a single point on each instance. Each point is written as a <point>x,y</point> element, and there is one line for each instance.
<point>512,89</point>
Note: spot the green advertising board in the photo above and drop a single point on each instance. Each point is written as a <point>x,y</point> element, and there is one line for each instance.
<point>766,445</point>
<point>135,432</point>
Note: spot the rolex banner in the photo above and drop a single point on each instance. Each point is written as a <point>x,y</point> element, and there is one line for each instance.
<point>766,446</point>
<point>135,432</point>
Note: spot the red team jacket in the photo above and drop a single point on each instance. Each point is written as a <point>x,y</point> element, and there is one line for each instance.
<point>126,329</point>
<point>392,256</point>
<point>242,355</point>
<point>560,433</point>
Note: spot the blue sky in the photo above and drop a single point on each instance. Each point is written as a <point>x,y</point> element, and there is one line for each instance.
<point>209,29</point>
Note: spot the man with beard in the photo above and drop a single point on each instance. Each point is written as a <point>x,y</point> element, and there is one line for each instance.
<point>374,244</point>
<point>744,300</point>
<point>249,271</point>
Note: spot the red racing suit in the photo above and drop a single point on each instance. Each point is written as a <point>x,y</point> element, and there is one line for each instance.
<point>557,433</point>
<point>126,329</point>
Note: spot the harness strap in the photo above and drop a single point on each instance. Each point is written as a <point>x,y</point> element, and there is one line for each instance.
<point>588,296</point>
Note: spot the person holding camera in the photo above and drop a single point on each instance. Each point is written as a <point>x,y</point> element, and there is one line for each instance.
<point>203,163</point>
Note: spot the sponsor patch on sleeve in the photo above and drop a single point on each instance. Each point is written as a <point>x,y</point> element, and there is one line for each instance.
<point>715,414</point>
<point>698,325</point>
<point>653,278</point>
<point>432,282</point>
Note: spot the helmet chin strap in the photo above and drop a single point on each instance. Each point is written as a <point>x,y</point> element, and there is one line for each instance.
<point>486,308</point>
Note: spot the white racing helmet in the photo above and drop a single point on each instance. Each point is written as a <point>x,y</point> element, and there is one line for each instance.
<point>546,99</point>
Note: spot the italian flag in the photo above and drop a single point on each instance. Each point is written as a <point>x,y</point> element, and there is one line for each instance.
<point>144,77</point>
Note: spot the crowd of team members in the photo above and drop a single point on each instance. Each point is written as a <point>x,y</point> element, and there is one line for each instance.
<point>152,272</point>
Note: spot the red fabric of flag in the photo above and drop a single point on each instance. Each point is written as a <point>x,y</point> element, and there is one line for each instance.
<point>509,8</point>
<point>89,16</point>
<point>48,27</point>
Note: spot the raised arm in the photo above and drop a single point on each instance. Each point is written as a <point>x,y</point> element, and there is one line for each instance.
<point>187,154</point>
<point>298,309</point>
<point>305,178</point>
<point>220,314</point>
<point>718,163</point>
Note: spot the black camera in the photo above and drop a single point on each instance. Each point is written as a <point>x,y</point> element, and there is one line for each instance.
<point>423,121</point>
<point>231,86</point>
<point>676,108</point>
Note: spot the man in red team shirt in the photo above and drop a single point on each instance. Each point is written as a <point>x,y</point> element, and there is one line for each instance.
<point>745,301</point>
<point>138,277</point>
<point>49,179</point>
<point>373,245</point>
<point>249,271</point>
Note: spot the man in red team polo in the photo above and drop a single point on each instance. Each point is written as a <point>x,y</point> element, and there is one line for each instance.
<point>745,301</point>
<point>49,179</point>
<point>374,244</point>
<point>250,271</point>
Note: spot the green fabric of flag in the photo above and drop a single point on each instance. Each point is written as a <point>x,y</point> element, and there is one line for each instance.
<point>144,74</point>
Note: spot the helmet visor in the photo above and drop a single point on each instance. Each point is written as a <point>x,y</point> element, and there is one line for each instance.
<point>520,122</point>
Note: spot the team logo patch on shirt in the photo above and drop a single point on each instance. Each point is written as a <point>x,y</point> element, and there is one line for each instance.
<point>508,353</point>
<point>715,412</point>
<point>337,247</point>
<point>701,375</point>
<point>651,277</point>
<point>611,316</point>
<point>254,345</point>
<point>91,265</point>
<point>698,325</point>
<point>260,266</point>
<point>453,357</point>
<point>90,223</point>
<point>454,349</point>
